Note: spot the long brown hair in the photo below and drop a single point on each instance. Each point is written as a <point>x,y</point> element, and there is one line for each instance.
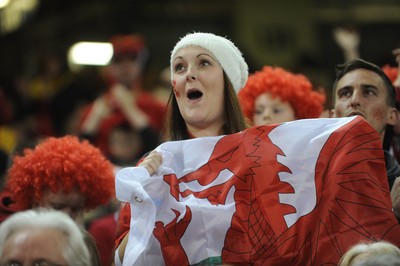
<point>175,126</point>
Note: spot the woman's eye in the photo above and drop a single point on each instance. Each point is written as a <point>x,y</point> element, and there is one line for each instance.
<point>178,67</point>
<point>204,62</point>
<point>258,111</point>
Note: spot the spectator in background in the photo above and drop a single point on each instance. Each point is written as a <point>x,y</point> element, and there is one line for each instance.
<point>63,174</point>
<point>125,100</point>
<point>394,75</point>
<point>126,145</point>
<point>50,76</point>
<point>362,88</point>
<point>69,103</point>
<point>42,237</point>
<point>348,38</point>
<point>274,95</point>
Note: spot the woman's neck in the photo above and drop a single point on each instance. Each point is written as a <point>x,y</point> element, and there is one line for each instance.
<point>209,131</point>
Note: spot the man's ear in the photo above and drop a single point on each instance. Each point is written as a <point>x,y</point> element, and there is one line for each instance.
<point>393,116</point>
<point>332,113</point>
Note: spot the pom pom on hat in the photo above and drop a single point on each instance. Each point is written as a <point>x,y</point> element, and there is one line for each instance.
<point>224,51</point>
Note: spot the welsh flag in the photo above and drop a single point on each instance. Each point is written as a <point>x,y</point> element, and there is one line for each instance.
<point>297,193</point>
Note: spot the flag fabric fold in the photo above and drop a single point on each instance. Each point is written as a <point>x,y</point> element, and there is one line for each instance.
<point>297,193</point>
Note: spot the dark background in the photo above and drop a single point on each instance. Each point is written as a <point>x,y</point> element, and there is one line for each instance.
<point>292,34</point>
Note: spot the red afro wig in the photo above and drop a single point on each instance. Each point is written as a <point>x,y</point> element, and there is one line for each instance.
<point>295,89</point>
<point>62,164</point>
<point>392,73</point>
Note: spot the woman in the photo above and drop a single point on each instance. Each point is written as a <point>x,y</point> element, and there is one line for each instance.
<point>206,73</point>
<point>274,95</point>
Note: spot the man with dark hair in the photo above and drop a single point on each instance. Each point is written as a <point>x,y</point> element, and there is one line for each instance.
<point>362,88</point>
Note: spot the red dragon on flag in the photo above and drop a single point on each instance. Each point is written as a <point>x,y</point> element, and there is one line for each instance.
<point>298,193</point>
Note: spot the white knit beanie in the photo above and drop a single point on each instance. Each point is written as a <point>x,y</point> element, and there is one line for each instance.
<point>224,51</point>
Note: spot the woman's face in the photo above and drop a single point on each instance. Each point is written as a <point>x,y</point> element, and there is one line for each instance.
<point>271,110</point>
<point>72,203</point>
<point>198,84</point>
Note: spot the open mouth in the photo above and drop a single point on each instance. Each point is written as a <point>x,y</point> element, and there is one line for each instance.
<point>356,113</point>
<point>194,94</point>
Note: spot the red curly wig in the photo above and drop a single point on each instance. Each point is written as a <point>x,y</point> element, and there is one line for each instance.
<point>62,164</point>
<point>295,89</point>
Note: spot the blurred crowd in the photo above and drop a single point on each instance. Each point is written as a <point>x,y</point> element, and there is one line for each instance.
<point>64,135</point>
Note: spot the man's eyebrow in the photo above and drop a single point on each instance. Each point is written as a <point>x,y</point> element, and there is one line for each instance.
<point>344,87</point>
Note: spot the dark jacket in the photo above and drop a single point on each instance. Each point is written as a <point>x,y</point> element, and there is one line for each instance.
<point>392,168</point>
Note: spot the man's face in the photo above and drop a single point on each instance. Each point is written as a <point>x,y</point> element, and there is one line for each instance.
<point>126,70</point>
<point>363,92</point>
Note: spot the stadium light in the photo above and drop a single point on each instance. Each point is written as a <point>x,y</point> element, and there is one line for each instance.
<point>90,53</point>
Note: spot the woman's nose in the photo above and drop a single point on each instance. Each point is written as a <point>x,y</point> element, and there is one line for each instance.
<point>266,115</point>
<point>190,77</point>
<point>191,74</point>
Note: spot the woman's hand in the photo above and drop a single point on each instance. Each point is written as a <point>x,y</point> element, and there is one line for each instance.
<point>152,162</point>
